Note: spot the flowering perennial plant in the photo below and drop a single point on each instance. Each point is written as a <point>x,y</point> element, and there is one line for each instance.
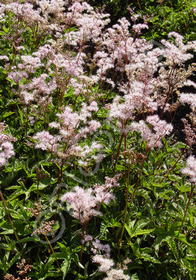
<point>80,94</point>
<point>85,203</point>
<point>65,143</point>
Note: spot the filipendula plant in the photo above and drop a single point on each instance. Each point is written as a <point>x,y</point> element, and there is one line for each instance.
<point>133,216</point>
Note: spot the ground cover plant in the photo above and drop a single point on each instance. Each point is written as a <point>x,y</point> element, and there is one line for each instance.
<point>95,183</point>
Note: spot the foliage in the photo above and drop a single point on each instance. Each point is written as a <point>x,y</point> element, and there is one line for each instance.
<point>163,16</point>
<point>95,183</point>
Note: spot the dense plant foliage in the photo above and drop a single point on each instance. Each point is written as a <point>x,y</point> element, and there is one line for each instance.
<point>163,16</point>
<point>94,182</point>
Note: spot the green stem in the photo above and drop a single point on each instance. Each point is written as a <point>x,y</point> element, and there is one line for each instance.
<point>127,172</point>
<point>118,152</point>
<point>125,211</point>
<point>82,247</point>
<point>52,250</point>
<point>171,168</point>
<point>187,206</point>
<point>138,179</point>
<point>138,1</point>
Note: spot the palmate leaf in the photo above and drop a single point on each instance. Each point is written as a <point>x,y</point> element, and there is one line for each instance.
<point>135,228</point>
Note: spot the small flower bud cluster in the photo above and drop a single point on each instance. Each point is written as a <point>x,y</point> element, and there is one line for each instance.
<point>44,229</point>
<point>189,132</point>
<point>22,272</point>
<point>24,268</point>
<point>37,211</point>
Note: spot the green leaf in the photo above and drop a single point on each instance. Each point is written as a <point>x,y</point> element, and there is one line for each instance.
<point>65,267</point>
<point>7,114</point>
<point>136,228</point>
<point>134,277</point>
<point>8,231</point>
<point>27,239</point>
<point>13,260</point>
<point>171,242</point>
<point>149,258</point>
<point>21,116</point>
<point>5,29</point>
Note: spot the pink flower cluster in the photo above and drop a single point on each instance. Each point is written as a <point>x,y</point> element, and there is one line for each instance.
<point>6,147</point>
<point>152,136</point>
<point>24,11</point>
<point>84,204</point>
<point>72,127</point>
<point>90,24</point>
<point>189,98</point>
<point>102,258</point>
<point>190,169</point>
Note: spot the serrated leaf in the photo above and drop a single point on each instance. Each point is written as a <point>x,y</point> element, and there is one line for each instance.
<point>21,115</point>
<point>136,228</point>
<point>65,266</point>
<point>174,178</point>
<point>171,242</point>
<point>13,260</point>
<point>149,258</point>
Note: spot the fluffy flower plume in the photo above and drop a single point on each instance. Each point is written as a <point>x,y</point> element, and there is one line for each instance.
<point>160,129</point>
<point>189,98</point>
<point>104,263</point>
<point>85,203</point>
<point>190,169</point>
<point>72,127</point>
<point>6,147</point>
<point>102,258</point>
